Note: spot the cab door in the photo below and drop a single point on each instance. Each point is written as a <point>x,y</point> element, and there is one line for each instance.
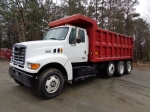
<point>78,45</point>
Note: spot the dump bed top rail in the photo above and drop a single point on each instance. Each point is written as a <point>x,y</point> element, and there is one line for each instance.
<point>76,20</point>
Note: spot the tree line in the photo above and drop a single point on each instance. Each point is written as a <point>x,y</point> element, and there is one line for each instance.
<point>26,20</point>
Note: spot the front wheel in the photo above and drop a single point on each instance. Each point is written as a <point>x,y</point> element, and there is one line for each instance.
<point>49,83</point>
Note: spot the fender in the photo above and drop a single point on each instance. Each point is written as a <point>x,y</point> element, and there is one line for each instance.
<point>68,67</point>
<point>53,58</point>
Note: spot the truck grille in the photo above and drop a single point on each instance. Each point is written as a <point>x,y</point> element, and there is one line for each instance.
<point>18,54</point>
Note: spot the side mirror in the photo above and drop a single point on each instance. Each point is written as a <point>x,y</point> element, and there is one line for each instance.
<point>73,43</point>
<point>77,36</point>
<point>78,40</point>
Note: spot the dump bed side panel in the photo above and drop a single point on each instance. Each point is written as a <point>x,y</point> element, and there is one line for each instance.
<point>108,46</point>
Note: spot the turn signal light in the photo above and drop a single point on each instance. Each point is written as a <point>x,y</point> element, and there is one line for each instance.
<point>33,66</point>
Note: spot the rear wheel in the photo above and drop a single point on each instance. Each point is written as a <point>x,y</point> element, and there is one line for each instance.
<point>49,83</point>
<point>128,67</point>
<point>110,69</point>
<point>120,68</point>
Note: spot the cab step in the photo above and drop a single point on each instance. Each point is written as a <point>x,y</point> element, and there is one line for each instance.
<point>83,77</point>
<point>82,72</point>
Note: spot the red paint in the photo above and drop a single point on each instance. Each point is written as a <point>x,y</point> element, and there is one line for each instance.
<point>109,45</point>
<point>5,53</point>
<point>8,53</point>
<point>2,53</point>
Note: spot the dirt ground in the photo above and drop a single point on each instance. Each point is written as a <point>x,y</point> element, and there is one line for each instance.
<point>130,93</point>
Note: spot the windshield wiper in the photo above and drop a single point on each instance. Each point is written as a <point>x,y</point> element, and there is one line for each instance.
<point>53,38</point>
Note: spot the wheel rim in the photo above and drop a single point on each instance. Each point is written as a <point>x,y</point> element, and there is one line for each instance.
<point>52,84</point>
<point>129,67</point>
<point>111,68</point>
<point>121,68</point>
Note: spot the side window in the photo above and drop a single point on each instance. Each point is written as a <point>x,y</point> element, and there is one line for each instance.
<point>72,36</point>
<point>82,36</point>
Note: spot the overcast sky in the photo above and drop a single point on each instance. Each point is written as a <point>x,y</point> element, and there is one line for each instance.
<point>142,8</point>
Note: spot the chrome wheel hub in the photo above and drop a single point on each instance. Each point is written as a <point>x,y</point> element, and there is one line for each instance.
<point>129,67</point>
<point>52,84</point>
<point>111,68</point>
<point>121,68</point>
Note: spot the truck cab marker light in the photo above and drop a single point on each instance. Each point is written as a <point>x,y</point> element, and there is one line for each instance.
<point>96,53</point>
<point>61,50</point>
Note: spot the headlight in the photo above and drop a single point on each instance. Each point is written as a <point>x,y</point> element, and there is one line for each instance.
<point>33,66</point>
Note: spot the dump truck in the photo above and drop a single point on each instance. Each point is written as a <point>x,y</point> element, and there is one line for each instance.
<point>73,49</point>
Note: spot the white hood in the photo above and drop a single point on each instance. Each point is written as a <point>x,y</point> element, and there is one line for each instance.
<point>43,43</point>
<point>36,48</point>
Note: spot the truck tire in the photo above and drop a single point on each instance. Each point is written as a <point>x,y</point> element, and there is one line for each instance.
<point>18,82</point>
<point>128,67</point>
<point>120,68</point>
<point>49,83</point>
<point>110,69</point>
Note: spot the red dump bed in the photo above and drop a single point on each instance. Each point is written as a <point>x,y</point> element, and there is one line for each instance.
<point>103,45</point>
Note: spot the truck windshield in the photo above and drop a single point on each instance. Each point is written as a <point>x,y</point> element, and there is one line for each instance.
<point>57,33</point>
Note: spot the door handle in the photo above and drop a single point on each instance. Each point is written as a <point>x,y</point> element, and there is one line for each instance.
<point>84,52</point>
